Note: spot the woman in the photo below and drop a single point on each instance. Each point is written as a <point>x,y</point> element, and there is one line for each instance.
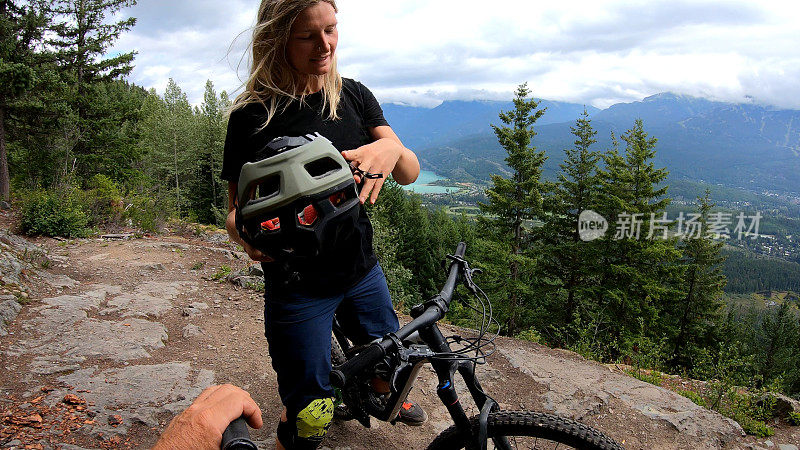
<point>294,89</point>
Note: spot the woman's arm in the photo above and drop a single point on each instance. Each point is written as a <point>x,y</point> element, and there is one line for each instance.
<point>406,170</point>
<point>385,155</point>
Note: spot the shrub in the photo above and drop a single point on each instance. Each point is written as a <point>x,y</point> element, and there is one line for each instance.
<point>147,213</point>
<point>696,398</point>
<point>55,213</point>
<point>648,376</point>
<point>104,201</point>
<point>222,273</point>
<point>794,418</point>
<point>530,335</point>
<point>752,414</point>
<point>754,427</point>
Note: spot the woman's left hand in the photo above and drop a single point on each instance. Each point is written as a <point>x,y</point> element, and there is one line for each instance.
<point>379,157</point>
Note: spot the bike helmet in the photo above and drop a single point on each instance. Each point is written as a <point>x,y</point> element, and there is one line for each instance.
<point>298,201</point>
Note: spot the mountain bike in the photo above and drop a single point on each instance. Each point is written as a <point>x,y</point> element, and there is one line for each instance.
<point>399,356</point>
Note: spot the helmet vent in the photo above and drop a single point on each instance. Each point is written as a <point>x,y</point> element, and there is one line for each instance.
<point>271,224</point>
<point>322,167</point>
<point>269,187</point>
<point>307,216</point>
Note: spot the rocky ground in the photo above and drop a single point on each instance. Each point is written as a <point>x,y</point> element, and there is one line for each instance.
<point>104,341</point>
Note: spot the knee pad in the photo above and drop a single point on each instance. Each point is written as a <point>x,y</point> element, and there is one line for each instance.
<point>310,427</point>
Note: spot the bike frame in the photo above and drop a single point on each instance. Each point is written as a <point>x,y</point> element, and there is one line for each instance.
<point>405,357</point>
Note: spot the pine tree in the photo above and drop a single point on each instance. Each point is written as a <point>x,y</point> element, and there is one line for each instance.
<point>82,37</point>
<point>169,145</point>
<point>22,27</point>
<point>568,262</point>
<point>178,124</point>
<point>207,192</point>
<point>696,312</point>
<point>514,201</point>
<point>639,271</point>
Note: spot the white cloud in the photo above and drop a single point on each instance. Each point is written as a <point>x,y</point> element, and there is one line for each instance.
<point>423,52</point>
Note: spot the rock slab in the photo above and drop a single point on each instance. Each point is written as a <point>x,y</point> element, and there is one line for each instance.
<point>575,387</point>
<point>138,394</point>
<point>9,308</point>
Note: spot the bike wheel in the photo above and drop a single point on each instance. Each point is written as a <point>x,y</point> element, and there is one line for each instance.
<point>337,354</point>
<point>338,358</point>
<point>529,430</point>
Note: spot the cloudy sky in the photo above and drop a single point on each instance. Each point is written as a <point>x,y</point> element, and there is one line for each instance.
<point>422,52</point>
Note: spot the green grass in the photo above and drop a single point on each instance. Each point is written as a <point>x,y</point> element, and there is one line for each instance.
<point>696,398</point>
<point>222,273</point>
<point>652,376</point>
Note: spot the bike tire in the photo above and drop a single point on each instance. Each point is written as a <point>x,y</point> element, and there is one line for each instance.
<point>340,412</point>
<point>337,354</point>
<point>548,427</point>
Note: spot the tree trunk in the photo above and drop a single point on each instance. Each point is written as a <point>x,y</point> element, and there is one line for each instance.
<point>570,306</point>
<point>177,185</point>
<point>4,178</point>
<point>679,342</point>
<point>514,268</point>
<point>514,299</point>
<point>213,180</point>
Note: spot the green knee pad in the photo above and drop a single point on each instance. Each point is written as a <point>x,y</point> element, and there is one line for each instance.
<point>315,419</point>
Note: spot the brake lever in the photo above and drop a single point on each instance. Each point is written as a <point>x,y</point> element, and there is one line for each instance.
<point>466,272</point>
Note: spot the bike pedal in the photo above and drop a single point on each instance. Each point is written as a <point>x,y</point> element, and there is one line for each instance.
<point>341,412</point>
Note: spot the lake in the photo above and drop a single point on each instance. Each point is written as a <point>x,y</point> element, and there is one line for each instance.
<point>422,185</point>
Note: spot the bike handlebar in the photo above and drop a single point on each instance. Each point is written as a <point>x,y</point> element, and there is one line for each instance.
<point>434,310</point>
<point>237,436</point>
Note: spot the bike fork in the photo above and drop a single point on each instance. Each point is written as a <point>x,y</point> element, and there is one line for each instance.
<point>445,371</point>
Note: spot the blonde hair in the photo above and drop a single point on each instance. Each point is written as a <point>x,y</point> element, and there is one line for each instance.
<point>272,81</point>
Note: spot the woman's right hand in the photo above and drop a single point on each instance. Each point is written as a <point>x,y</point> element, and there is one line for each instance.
<point>233,233</point>
<point>256,255</point>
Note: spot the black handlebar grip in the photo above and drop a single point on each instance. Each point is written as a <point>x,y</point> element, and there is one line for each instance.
<point>460,249</point>
<point>367,358</point>
<point>237,436</point>
<point>337,378</point>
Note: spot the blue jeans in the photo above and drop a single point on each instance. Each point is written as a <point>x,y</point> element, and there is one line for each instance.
<point>298,329</point>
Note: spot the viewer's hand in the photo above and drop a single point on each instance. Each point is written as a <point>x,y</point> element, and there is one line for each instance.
<point>202,424</point>
<point>378,157</point>
<point>254,254</point>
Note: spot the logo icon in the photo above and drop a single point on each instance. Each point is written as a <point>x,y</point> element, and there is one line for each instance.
<point>591,225</point>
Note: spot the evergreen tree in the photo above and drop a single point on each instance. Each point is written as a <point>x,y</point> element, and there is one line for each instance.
<point>774,341</point>
<point>568,262</point>
<point>37,126</point>
<point>207,191</point>
<point>514,201</point>
<point>116,111</point>
<point>639,269</point>
<point>22,26</point>
<point>696,312</point>
<point>169,146</point>
<point>178,139</point>
<point>82,36</point>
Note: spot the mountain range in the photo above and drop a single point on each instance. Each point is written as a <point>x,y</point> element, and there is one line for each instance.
<point>737,145</point>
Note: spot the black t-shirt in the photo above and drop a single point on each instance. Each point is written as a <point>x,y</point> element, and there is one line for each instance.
<point>358,112</point>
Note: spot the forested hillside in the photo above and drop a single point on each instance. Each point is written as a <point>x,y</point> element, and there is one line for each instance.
<point>737,145</point>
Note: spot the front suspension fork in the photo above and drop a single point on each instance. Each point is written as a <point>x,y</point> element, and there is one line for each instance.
<point>445,371</point>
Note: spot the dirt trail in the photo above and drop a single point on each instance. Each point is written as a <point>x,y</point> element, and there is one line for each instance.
<point>118,336</point>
